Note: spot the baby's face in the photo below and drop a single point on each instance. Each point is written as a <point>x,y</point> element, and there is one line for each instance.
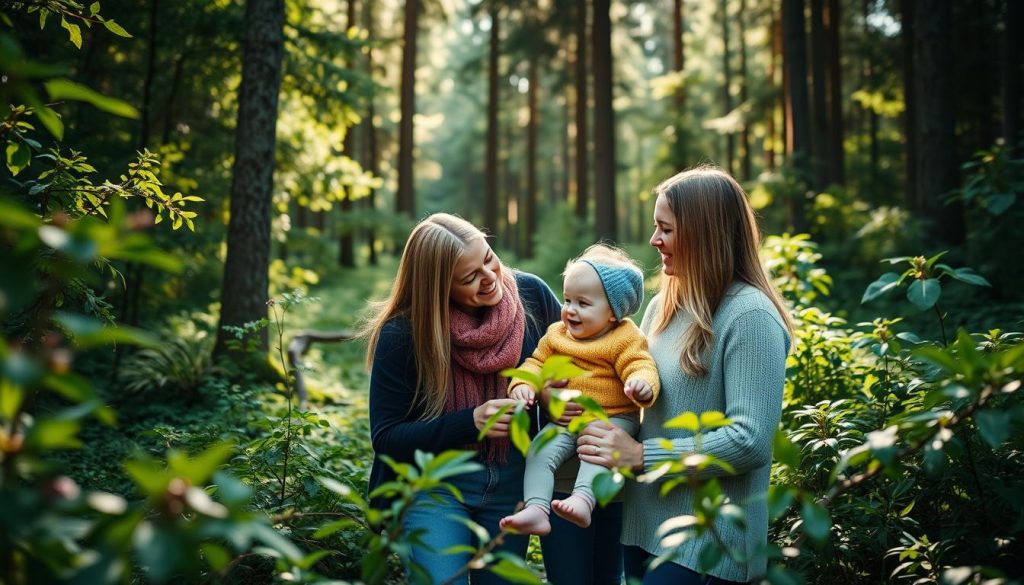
<point>585,311</point>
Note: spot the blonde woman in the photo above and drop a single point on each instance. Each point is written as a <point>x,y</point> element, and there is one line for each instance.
<point>454,319</point>
<point>719,334</point>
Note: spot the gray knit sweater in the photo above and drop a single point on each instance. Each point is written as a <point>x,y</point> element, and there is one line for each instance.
<point>746,370</point>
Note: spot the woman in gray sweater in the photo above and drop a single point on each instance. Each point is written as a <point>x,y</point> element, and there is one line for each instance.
<point>719,334</point>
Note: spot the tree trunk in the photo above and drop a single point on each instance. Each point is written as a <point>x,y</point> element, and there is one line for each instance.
<point>1013,57</point>
<point>678,55</point>
<point>405,198</point>
<point>836,171</point>
<point>604,124</point>
<point>244,292</point>
<point>730,138</point>
<point>371,151</point>
<point>775,32</point>
<point>491,162</point>
<point>798,129</point>
<point>346,239</point>
<point>745,170</point>
<point>819,109</point>
<point>907,10</point>
<point>582,144</point>
<point>530,204</point>
<point>935,120</point>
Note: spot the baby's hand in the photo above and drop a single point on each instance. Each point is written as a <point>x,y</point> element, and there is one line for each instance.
<point>523,392</point>
<point>639,390</point>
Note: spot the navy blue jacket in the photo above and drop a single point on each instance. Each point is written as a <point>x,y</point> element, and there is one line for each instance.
<point>395,427</point>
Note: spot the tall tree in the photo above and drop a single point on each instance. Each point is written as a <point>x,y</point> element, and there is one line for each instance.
<point>244,290</point>
<point>604,124</point>
<point>745,162</point>
<point>371,152</point>
<point>1012,61</point>
<point>907,21</point>
<point>730,138</point>
<point>934,122</point>
<point>405,201</point>
<point>798,130</point>
<point>346,239</point>
<point>678,54</point>
<point>775,53</point>
<point>491,162</point>
<point>819,109</point>
<point>582,143</point>
<point>835,162</point>
<point>529,209</point>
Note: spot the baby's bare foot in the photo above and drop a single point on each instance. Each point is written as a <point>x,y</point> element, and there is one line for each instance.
<point>576,509</point>
<point>529,520</point>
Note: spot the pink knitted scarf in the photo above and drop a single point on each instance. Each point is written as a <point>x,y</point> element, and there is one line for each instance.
<point>483,345</point>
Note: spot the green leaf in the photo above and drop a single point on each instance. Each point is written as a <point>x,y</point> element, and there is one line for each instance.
<point>560,367</point>
<point>19,155</point>
<point>607,484</point>
<point>10,398</point>
<point>994,426</point>
<point>491,421</point>
<point>216,555</point>
<point>514,572</point>
<point>687,421</point>
<point>332,527</point>
<point>884,284</point>
<point>780,498</point>
<point>525,375</point>
<point>970,277</point>
<point>94,8</point>
<point>50,120</point>
<point>998,204</point>
<point>54,434</point>
<point>924,293</point>
<point>62,89</point>
<point>116,29</point>
<point>519,430</point>
<point>816,520</point>
<point>88,332</point>
<point>15,216</point>
<point>785,451</point>
<point>198,470</point>
<point>710,556</point>
<point>74,32</point>
<point>713,419</point>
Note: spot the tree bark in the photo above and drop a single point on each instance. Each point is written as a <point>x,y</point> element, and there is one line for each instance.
<point>775,32</point>
<point>745,162</point>
<point>371,150</point>
<point>836,163</point>
<point>730,138</point>
<point>582,144</point>
<point>935,119</point>
<point>798,130</point>
<point>678,54</point>
<point>819,109</point>
<point>907,10</point>
<point>244,291</point>
<point>530,203</point>
<point>1013,57</point>
<point>604,124</point>
<point>346,240</point>
<point>491,162</point>
<point>405,199</point>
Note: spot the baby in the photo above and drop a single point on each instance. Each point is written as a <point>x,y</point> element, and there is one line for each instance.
<point>601,288</point>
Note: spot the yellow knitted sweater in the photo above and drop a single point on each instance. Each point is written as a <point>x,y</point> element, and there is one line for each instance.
<point>612,359</point>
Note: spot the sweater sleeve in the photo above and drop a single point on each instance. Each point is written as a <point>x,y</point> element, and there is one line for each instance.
<point>635,362</point>
<point>754,374</point>
<point>394,426</point>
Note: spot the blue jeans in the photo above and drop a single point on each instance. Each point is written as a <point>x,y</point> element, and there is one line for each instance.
<point>637,559</point>
<point>488,495</point>
<point>585,556</point>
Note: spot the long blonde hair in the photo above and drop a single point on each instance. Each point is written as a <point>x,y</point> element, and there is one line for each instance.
<point>717,242</point>
<point>421,293</point>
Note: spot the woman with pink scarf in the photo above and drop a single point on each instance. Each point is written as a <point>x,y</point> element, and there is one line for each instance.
<point>455,318</point>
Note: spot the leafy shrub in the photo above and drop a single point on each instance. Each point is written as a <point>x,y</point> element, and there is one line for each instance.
<point>176,367</point>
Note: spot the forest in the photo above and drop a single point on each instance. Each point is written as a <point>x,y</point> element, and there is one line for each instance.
<point>201,199</point>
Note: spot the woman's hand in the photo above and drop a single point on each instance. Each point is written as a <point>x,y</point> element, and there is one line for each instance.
<point>485,411</point>
<point>607,445</point>
<point>572,410</point>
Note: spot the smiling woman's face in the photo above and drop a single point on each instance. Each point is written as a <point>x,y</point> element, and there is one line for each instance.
<point>476,280</point>
<point>664,234</point>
